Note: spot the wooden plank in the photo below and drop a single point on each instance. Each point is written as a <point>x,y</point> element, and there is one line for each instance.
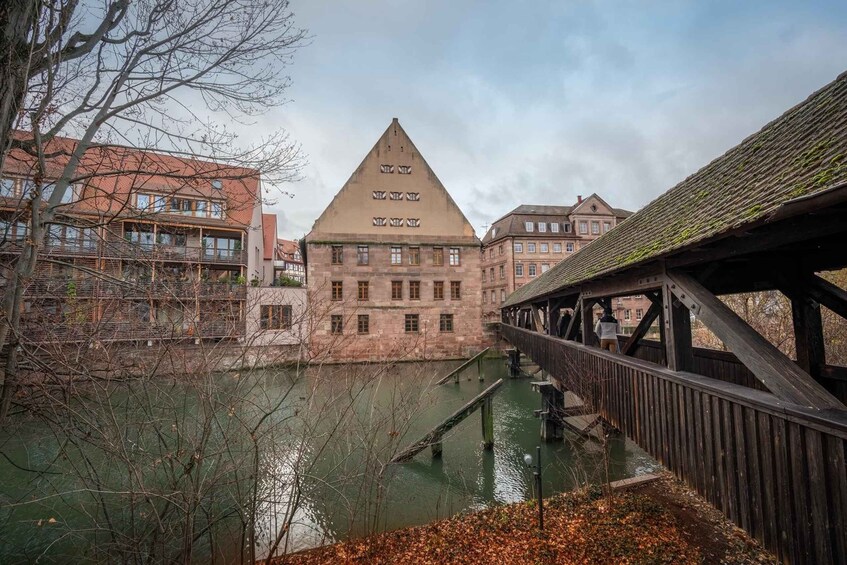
<point>771,508</point>
<point>786,514</point>
<point>731,468</point>
<point>754,477</point>
<point>573,325</point>
<point>712,488</point>
<point>742,472</point>
<point>836,480</point>
<point>819,515</point>
<point>779,373</point>
<point>799,490</point>
<point>828,294</point>
<point>462,367</point>
<point>722,489</point>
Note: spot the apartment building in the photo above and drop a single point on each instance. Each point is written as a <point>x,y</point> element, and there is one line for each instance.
<point>393,264</point>
<point>145,246</point>
<point>530,239</point>
<point>288,261</point>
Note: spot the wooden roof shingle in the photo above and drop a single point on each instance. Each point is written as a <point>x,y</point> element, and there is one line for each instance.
<point>801,153</point>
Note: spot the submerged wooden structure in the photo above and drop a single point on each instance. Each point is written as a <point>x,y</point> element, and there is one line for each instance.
<point>763,437</point>
<point>482,401</point>
<point>454,374</point>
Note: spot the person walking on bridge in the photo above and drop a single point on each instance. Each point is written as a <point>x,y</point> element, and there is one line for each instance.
<point>607,329</point>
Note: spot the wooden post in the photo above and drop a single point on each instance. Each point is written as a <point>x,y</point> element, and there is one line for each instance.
<point>552,408</point>
<point>487,413</point>
<point>808,336</point>
<point>677,332</point>
<point>436,449</point>
<point>514,362</point>
<point>553,307</point>
<point>479,369</point>
<point>587,313</point>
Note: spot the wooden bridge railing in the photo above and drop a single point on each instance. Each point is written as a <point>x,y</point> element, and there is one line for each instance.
<point>777,470</point>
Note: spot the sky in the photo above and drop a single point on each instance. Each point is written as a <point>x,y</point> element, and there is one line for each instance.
<point>537,102</point>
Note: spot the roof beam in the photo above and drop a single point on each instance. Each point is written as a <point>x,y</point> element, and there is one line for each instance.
<point>778,373</point>
<point>642,328</point>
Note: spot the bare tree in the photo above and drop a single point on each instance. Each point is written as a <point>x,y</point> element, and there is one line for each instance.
<point>163,74</point>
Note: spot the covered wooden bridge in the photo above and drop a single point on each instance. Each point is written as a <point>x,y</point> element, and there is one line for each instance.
<point>760,435</point>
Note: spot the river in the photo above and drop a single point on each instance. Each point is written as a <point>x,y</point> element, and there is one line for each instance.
<point>334,429</point>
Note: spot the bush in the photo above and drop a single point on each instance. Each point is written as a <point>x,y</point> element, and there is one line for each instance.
<point>285,280</point>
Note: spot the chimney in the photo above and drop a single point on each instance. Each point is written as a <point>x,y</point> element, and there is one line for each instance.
<point>579,199</point>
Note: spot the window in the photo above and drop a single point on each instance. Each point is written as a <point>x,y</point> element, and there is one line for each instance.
<point>362,256</point>
<point>438,290</point>
<point>414,290</point>
<point>364,289</point>
<point>530,248</point>
<point>639,313</point>
<point>7,188</point>
<point>396,222</point>
<point>557,248</point>
<point>567,227</point>
<point>414,255</point>
<point>483,275</point>
<point>583,227</point>
<point>528,226</point>
<point>386,168</point>
<point>438,256</point>
<point>501,249</point>
<point>455,290</point>
<point>364,324</point>
<point>454,256</point>
<point>217,209</point>
<point>336,324</point>
<point>379,221</point>
<point>627,314</point>
<point>502,272</point>
<point>142,201</point>
<point>518,247</point>
<point>545,267</point>
<point>379,194</point>
<point>337,290</point>
<point>493,296</point>
<point>396,196</point>
<point>554,227</point>
<point>532,270</point>
<point>275,317</point>
<point>396,255</point>
<point>502,295</point>
<point>595,228</point>
<point>445,323</point>
<point>542,227</point>
<point>491,253</point>
<point>396,290</point>
<point>337,254</point>
<point>484,297</point>
<point>569,247</point>
<point>413,222</point>
<point>404,169</point>
<point>412,324</point>
<point>518,270</point>
<point>201,208</point>
<point>607,226</point>
<point>545,247</point>
<point>413,196</point>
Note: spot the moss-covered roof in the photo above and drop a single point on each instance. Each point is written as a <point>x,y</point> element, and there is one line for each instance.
<point>800,153</point>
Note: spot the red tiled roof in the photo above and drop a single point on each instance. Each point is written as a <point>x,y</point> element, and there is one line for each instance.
<point>110,175</point>
<point>269,235</point>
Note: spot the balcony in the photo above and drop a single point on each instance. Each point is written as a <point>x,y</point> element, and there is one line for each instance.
<point>58,287</point>
<point>80,332</point>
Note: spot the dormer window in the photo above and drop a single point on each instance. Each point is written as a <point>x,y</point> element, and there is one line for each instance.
<point>404,169</point>
<point>528,226</point>
<point>396,196</point>
<point>217,184</point>
<point>554,227</point>
<point>413,196</point>
<point>396,222</point>
<point>379,194</point>
<point>542,227</point>
<point>567,227</point>
<point>379,221</point>
<point>413,222</point>
<point>386,168</point>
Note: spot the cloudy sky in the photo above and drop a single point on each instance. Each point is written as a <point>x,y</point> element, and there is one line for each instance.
<point>537,102</point>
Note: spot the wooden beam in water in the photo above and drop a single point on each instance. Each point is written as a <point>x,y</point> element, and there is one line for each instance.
<point>433,438</point>
<point>455,372</point>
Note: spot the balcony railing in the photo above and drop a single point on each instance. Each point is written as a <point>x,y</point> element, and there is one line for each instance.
<point>67,331</point>
<point>121,249</point>
<point>92,287</point>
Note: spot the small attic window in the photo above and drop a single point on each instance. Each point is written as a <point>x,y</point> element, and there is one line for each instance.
<point>396,196</point>
<point>379,221</point>
<point>413,196</point>
<point>396,222</point>
<point>594,207</point>
<point>404,169</point>
<point>386,168</point>
<point>379,194</point>
<point>413,222</point>
<point>217,184</point>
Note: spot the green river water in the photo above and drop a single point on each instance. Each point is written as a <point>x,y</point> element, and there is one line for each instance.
<point>336,443</point>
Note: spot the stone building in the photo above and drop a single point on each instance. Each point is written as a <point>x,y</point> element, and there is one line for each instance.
<point>393,264</point>
<point>530,239</point>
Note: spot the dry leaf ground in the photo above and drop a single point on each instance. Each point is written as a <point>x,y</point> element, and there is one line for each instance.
<point>658,522</point>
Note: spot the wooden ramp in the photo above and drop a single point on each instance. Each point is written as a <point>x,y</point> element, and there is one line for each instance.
<point>433,438</point>
<point>454,374</point>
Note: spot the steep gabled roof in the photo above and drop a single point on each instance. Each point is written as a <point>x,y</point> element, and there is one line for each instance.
<point>269,235</point>
<point>801,153</point>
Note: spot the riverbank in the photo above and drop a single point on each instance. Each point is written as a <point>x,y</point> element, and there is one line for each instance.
<point>656,522</point>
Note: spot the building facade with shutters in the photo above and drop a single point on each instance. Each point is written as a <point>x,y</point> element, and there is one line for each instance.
<point>393,264</point>
<point>530,239</point>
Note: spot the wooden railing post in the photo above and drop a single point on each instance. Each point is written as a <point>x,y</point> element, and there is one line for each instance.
<point>677,332</point>
<point>487,414</point>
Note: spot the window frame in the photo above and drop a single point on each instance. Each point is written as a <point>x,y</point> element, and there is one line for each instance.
<point>362,255</point>
<point>414,290</point>
<point>396,290</point>
<point>363,291</point>
<point>437,256</point>
<point>412,323</point>
<point>363,324</point>
<point>396,256</point>
<point>336,324</point>
<point>455,252</point>
<point>445,323</point>
<point>528,227</point>
<point>337,255</point>
<point>337,291</point>
<point>415,256</point>
<point>455,290</point>
<point>438,290</point>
